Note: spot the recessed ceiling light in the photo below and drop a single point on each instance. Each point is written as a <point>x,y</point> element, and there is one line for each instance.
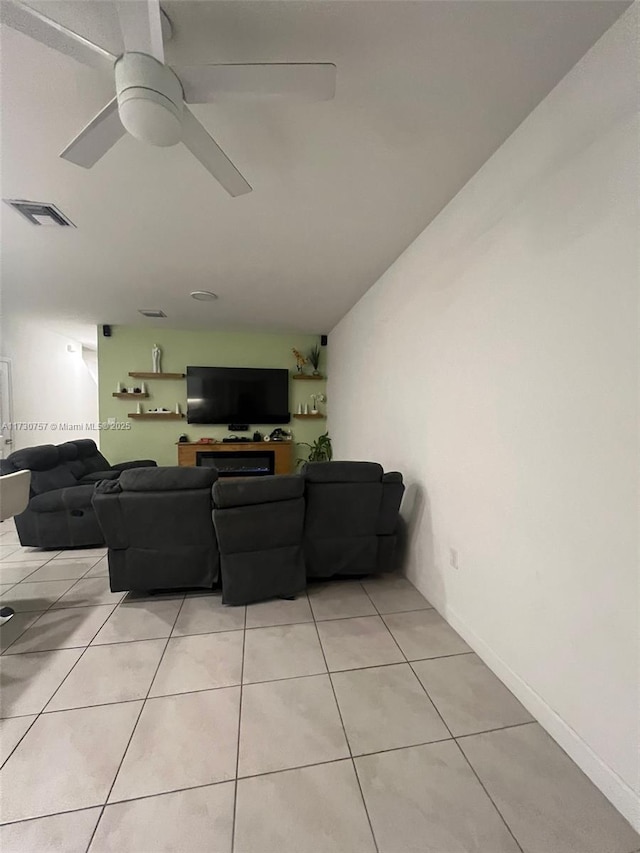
<point>151,312</point>
<point>204,295</point>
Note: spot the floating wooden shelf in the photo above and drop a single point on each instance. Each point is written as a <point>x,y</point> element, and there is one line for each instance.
<point>124,395</point>
<point>157,416</point>
<point>136,375</point>
<point>308,377</point>
<point>317,417</point>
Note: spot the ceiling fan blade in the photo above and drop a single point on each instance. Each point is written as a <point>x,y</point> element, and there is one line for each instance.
<point>96,138</point>
<point>52,34</point>
<point>141,25</point>
<point>212,157</point>
<point>309,81</point>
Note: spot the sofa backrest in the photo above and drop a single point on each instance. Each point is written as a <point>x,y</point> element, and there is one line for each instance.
<point>157,507</point>
<point>89,457</point>
<point>49,467</point>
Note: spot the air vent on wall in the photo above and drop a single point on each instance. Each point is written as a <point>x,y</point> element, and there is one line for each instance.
<point>152,312</point>
<point>39,212</point>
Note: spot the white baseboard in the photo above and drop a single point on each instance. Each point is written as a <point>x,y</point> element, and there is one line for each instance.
<point>603,777</point>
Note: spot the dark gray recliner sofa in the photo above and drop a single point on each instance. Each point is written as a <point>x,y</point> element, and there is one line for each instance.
<point>351,518</point>
<point>157,525</point>
<point>60,513</point>
<point>259,523</point>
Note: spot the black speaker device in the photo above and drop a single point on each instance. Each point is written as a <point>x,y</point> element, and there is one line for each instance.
<point>106,331</point>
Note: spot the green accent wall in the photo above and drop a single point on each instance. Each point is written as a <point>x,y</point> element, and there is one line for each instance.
<point>129,349</point>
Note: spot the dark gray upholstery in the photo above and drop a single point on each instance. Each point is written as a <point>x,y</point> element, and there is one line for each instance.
<point>60,514</point>
<point>351,518</point>
<point>157,525</point>
<point>259,524</point>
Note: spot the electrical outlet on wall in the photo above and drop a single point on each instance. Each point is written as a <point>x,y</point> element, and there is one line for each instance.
<point>453,558</point>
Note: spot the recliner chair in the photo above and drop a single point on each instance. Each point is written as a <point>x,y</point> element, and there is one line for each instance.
<point>351,518</point>
<point>158,528</point>
<point>59,513</point>
<point>259,523</point>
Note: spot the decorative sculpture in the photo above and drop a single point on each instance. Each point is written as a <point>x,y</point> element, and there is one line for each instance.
<point>156,354</point>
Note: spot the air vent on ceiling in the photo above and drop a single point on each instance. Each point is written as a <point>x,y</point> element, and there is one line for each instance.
<point>152,312</point>
<point>39,212</point>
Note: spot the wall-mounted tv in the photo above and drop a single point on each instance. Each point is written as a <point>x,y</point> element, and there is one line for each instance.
<point>247,395</point>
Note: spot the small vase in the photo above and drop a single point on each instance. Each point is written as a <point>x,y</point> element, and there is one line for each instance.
<point>178,412</point>
<point>299,412</point>
<point>316,372</point>
<point>306,408</point>
<point>315,412</point>
<point>139,409</point>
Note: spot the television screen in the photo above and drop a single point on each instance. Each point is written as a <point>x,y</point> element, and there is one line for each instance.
<point>247,395</point>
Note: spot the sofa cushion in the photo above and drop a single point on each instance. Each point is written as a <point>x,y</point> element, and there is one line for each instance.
<point>342,472</point>
<point>59,500</point>
<point>96,476</point>
<point>173,478</point>
<point>257,490</point>
<point>90,455</point>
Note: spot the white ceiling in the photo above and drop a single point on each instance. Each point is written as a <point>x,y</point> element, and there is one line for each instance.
<point>426,93</point>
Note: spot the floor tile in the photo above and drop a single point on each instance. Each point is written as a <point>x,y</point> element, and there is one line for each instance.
<point>27,596</point>
<point>72,553</point>
<point>545,798</point>
<point>196,821</point>
<point>66,761</point>
<point>395,595</point>
<point>104,674</point>
<point>15,627</point>
<point>88,591</point>
<point>10,538</point>
<point>278,611</point>
<point>60,570</point>
<point>62,629</point>
<point>340,600</point>
<point>201,662</point>
<point>180,742</point>
<point>427,799</point>
<point>309,810</point>
<point>16,572</point>
<point>284,651</point>
<point>425,634</point>
<point>354,643</point>
<point>29,681</point>
<point>30,555</point>
<point>384,708</point>
<point>205,614</point>
<point>7,550</point>
<point>289,724</point>
<point>12,730</point>
<point>99,569</point>
<point>468,695</point>
<point>140,620</point>
<point>61,833</point>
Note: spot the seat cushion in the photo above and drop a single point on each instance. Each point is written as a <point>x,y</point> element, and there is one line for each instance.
<point>58,500</point>
<point>96,476</point>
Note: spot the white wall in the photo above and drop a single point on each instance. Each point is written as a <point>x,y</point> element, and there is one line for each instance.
<point>50,385</point>
<point>496,365</point>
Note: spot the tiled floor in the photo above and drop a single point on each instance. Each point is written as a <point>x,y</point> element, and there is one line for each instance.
<point>351,720</point>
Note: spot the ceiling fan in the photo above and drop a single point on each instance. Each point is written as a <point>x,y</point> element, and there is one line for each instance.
<point>151,98</point>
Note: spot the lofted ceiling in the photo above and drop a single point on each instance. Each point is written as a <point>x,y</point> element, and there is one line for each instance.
<point>426,92</point>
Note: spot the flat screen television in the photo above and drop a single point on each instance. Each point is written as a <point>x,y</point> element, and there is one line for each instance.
<point>247,395</point>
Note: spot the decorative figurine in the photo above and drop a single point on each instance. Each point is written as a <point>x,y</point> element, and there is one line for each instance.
<point>156,354</point>
<point>299,412</point>
<point>178,412</point>
<point>300,359</point>
<point>139,409</point>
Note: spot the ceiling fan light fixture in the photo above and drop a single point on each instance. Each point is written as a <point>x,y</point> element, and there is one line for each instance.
<point>149,99</point>
<point>204,295</point>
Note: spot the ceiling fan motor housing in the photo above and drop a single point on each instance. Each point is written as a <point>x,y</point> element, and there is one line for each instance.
<point>150,99</point>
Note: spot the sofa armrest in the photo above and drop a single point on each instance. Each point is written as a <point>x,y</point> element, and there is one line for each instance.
<point>136,463</point>
<point>392,492</point>
<point>106,504</point>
